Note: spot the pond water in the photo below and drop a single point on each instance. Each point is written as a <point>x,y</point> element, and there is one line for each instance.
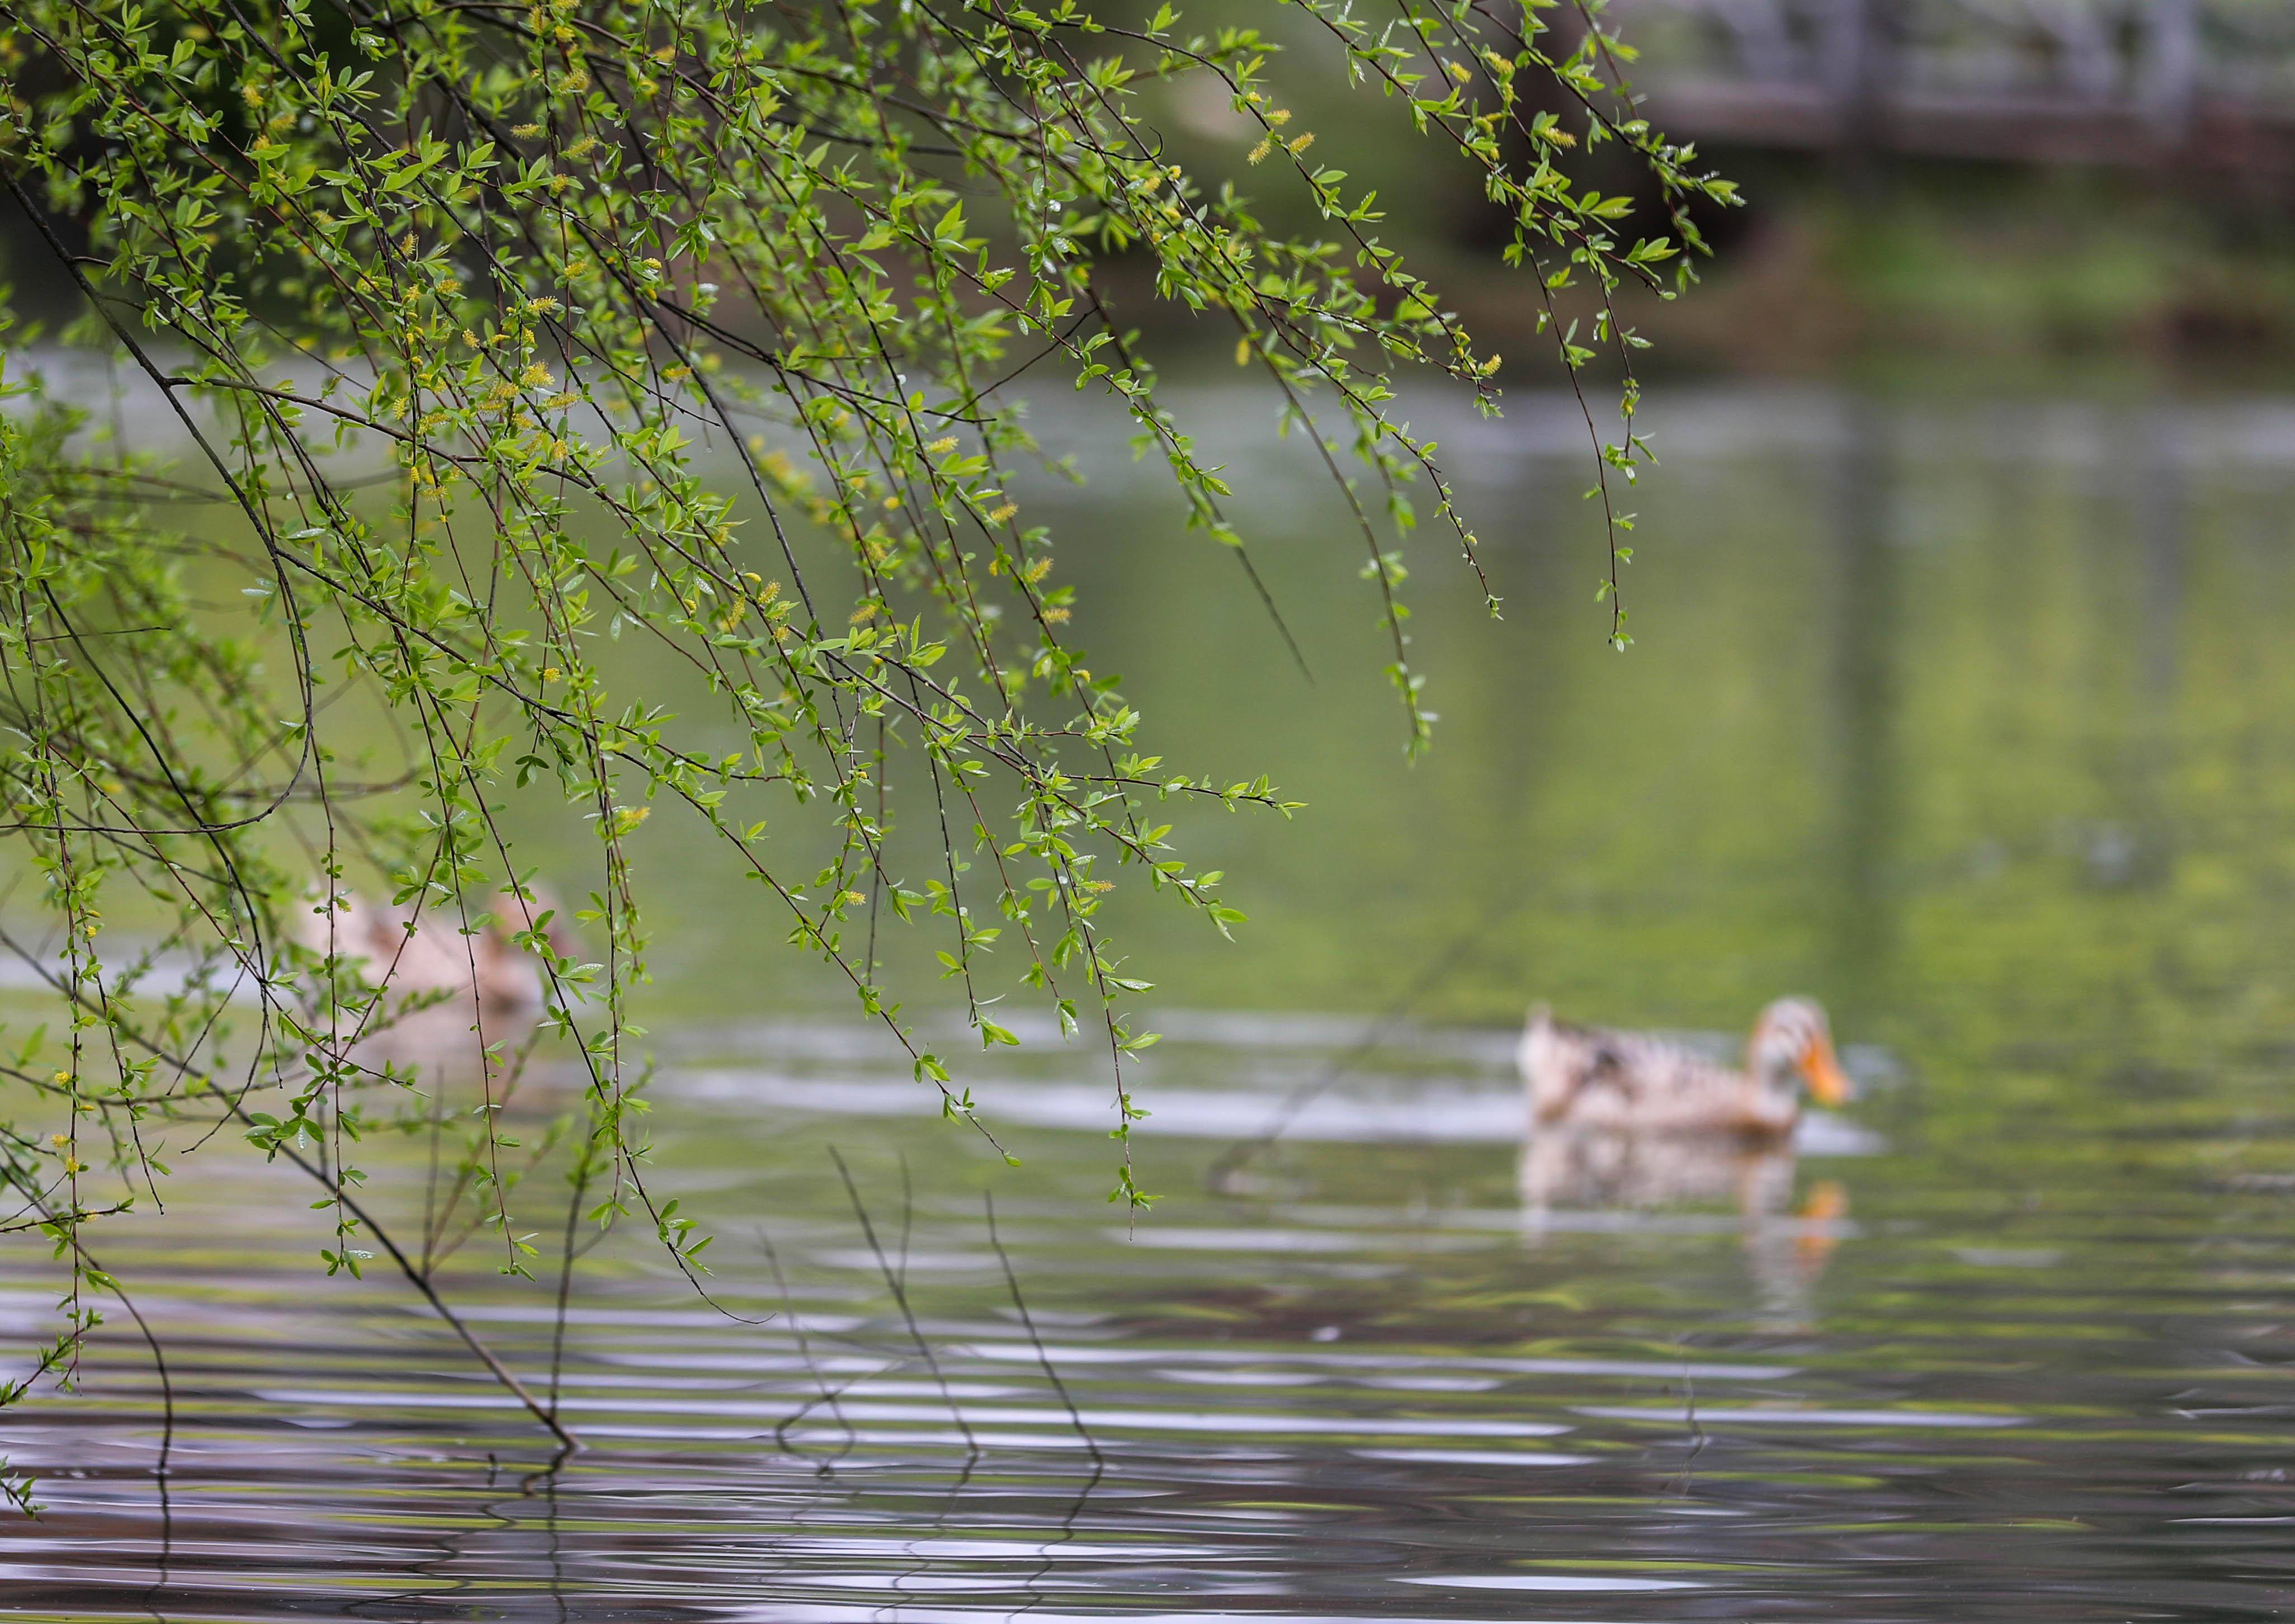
<point>1972,718</point>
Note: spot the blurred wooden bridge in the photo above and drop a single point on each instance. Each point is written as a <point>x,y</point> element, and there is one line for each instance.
<point>2147,82</point>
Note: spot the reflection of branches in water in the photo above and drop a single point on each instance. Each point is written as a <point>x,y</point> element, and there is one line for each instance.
<point>454,1549</point>
<point>922,1562</point>
<point>166,1554</point>
<point>159,1366</point>
<point>920,1354</point>
<point>159,1468</point>
<point>1697,1435</point>
<point>553,1541</point>
<point>901,1299</point>
<point>1028,1324</point>
<point>1044,1358</point>
<point>1068,1520</point>
<point>812,1367</point>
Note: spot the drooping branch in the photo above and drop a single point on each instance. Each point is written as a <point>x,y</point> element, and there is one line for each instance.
<point>508,337</point>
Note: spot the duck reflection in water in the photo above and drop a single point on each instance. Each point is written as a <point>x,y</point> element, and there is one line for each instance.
<point>447,989</point>
<point>1631,1121</point>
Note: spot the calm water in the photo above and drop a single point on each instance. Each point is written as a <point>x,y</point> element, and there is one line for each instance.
<point>1972,718</point>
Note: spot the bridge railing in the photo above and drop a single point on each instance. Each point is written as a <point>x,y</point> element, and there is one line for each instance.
<point>2095,79</point>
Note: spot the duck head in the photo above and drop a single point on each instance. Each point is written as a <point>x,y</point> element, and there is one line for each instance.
<point>1793,1040</point>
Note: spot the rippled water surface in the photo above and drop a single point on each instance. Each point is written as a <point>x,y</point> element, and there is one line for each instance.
<point>1977,727</point>
<point>2040,1380</point>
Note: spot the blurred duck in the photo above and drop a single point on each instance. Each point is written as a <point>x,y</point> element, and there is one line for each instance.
<point>418,957</point>
<point>1585,1078</point>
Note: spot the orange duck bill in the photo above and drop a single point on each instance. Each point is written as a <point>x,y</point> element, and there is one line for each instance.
<point>1828,1084</point>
